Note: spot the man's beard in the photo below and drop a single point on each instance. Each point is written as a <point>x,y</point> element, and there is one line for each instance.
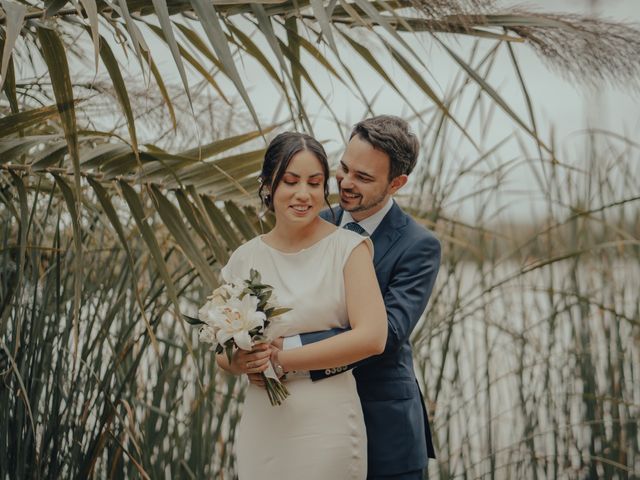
<point>364,206</point>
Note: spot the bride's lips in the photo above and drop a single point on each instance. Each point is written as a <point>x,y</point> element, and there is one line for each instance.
<point>300,210</point>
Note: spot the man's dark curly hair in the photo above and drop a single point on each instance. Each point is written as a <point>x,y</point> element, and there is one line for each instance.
<point>392,136</point>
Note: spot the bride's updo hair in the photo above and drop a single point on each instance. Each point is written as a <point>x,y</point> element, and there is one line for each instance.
<point>277,158</point>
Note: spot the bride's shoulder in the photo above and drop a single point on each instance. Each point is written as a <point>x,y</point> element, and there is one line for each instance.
<point>345,235</point>
<point>349,240</point>
<point>247,246</point>
<point>240,259</point>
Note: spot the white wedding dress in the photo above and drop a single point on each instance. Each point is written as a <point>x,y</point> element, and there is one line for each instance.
<point>318,432</point>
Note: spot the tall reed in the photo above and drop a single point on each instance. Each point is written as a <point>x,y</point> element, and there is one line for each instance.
<point>529,349</point>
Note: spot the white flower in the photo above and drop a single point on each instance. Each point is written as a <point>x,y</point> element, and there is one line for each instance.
<point>208,311</point>
<point>219,298</point>
<point>224,292</point>
<point>236,319</point>
<point>234,289</point>
<point>207,334</point>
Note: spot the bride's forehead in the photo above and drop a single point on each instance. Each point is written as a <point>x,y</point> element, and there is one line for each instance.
<point>304,162</point>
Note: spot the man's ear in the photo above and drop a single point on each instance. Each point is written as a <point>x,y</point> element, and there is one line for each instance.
<point>397,183</point>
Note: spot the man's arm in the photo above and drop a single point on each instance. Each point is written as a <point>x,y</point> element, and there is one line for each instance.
<point>405,299</point>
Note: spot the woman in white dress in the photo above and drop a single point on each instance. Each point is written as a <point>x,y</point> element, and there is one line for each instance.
<point>326,276</point>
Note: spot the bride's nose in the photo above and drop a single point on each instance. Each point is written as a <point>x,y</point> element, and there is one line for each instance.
<point>302,193</point>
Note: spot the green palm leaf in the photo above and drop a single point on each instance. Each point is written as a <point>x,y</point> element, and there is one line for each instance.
<point>265,26</point>
<point>91,9</point>
<point>182,53</point>
<point>163,89</point>
<point>53,53</point>
<point>213,28</point>
<point>219,146</point>
<point>14,19</point>
<point>220,223</point>
<point>73,204</point>
<point>323,19</point>
<point>111,63</point>
<point>240,220</point>
<point>162,12</point>
<point>13,149</point>
<point>172,219</point>
<point>201,224</point>
<point>14,123</point>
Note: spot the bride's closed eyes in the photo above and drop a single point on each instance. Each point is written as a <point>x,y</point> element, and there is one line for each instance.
<point>293,179</point>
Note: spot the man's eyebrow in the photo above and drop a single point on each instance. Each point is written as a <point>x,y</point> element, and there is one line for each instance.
<point>359,172</point>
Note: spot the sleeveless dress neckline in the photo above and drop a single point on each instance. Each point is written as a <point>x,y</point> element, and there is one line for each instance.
<point>310,247</point>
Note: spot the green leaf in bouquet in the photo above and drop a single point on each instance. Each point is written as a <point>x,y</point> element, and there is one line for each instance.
<point>266,295</point>
<point>278,311</point>
<point>192,320</point>
<point>246,291</point>
<point>228,349</point>
<point>254,276</point>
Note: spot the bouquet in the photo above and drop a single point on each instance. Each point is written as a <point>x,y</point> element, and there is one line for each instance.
<point>236,315</point>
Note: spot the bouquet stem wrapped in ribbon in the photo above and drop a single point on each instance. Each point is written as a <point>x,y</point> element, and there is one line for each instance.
<point>236,315</point>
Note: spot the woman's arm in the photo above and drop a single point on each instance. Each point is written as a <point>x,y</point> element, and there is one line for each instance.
<point>367,317</point>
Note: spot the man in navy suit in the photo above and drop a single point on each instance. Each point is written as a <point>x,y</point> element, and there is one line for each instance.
<point>380,155</point>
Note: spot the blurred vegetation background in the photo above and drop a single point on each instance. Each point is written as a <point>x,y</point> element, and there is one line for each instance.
<point>130,144</point>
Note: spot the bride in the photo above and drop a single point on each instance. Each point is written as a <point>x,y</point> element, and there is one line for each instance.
<point>326,276</point>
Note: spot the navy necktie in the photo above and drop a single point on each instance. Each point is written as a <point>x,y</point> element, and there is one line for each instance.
<point>355,227</point>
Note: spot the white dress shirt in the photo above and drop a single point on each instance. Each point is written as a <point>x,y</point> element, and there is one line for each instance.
<point>370,223</point>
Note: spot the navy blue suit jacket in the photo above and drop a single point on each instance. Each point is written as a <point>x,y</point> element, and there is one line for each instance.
<point>406,260</point>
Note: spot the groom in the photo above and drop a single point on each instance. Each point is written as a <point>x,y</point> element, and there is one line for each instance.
<point>380,155</point>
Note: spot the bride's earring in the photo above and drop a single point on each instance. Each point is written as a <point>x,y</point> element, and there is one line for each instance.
<point>266,204</point>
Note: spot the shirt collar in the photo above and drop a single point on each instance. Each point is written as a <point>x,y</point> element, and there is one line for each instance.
<point>370,223</point>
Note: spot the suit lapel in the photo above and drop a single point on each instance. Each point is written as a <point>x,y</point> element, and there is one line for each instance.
<point>388,232</point>
<point>385,235</point>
